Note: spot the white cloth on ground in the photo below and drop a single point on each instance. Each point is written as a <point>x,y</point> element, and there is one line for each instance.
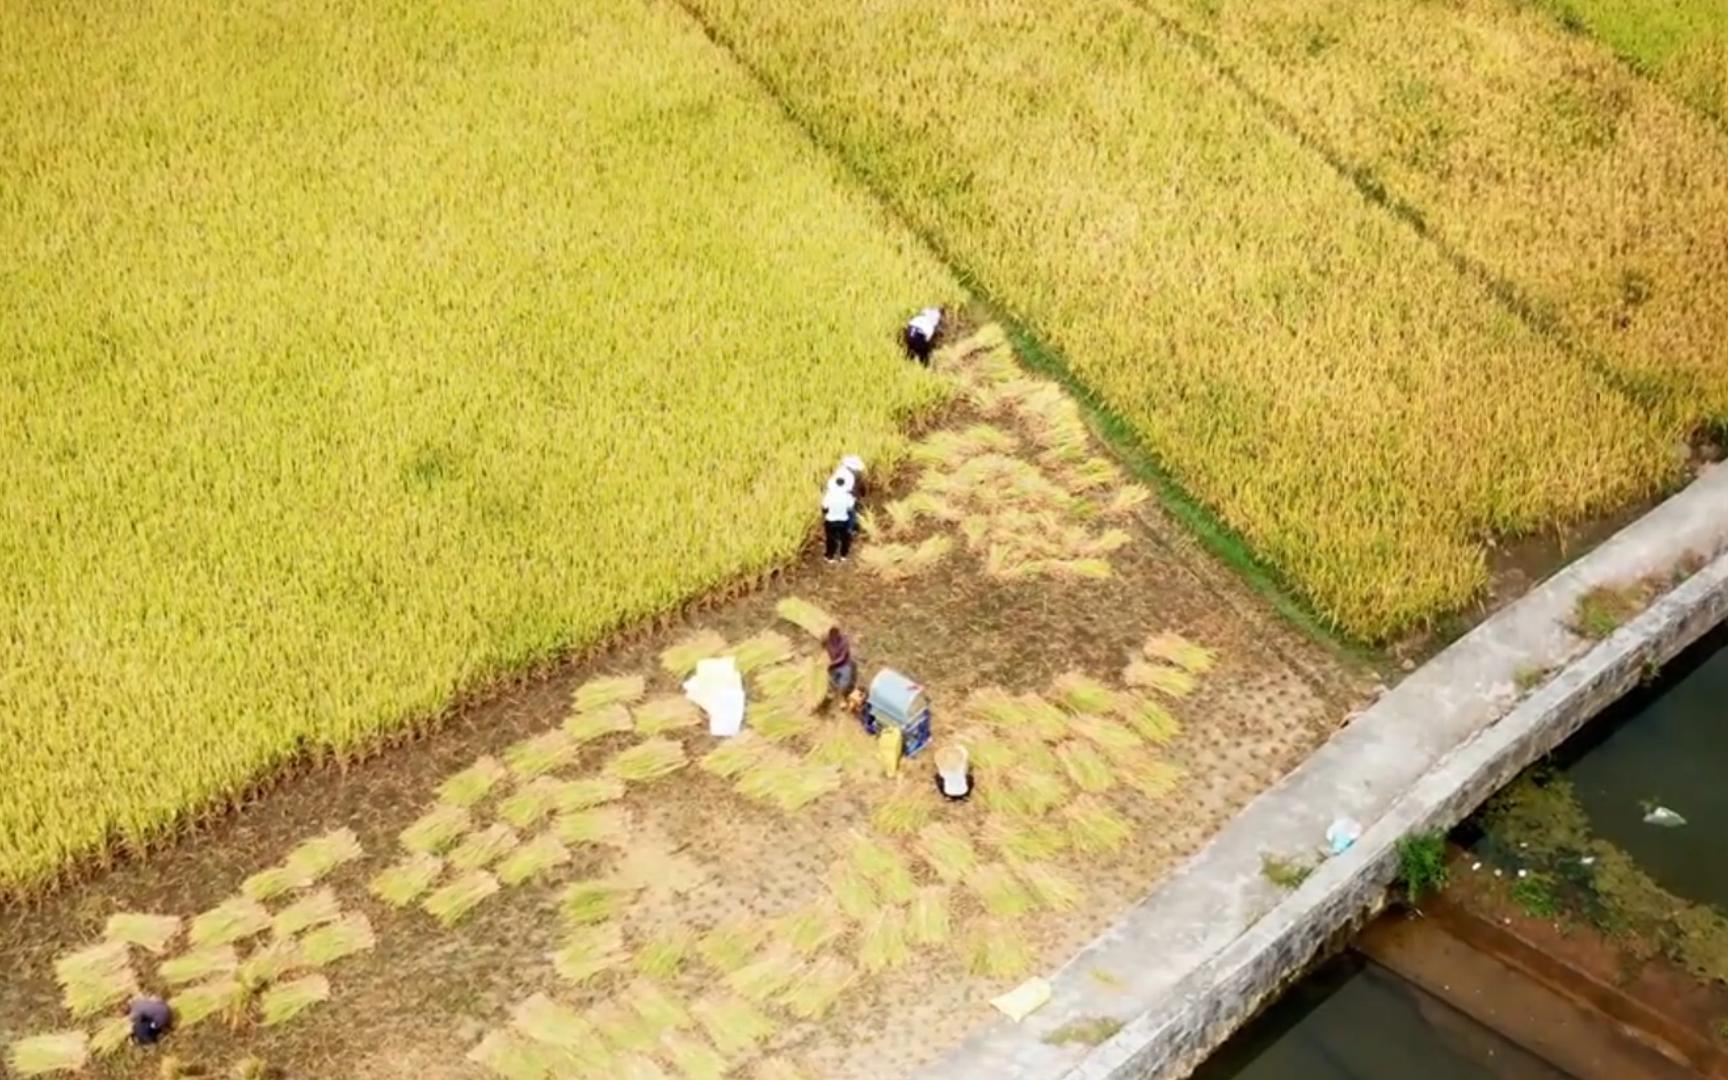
<point>719,690</point>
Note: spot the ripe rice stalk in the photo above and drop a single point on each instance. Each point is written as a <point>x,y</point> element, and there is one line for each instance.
<point>470,785</point>
<point>884,866</point>
<point>902,814</point>
<point>597,901</point>
<point>768,647</point>
<point>199,964</point>
<point>507,1054</point>
<point>111,1036</point>
<point>882,940</point>
<point>806,616</point>
<point>551,1023</point>
<point>766,975</point>
<point>655,1005</point>
<point>780,719</point>
<point>1169,681</point>
<point>999,892</point>
<point>269,963</point>
<point>60,1051</point>
<point>1021,837</point>
<point>1178,650</point>
<point>647,761</point>
<point>584,727</point>
<point>151,933</point>
<point>1108,735</point>
<point>611,690</point>
<point>853,892</point>
<point>283,1003</point>
<point>533,859</point>
<point>1151,719</point>
<point>1054,889</point>
<point>1081,693</point>
<point>195,1004</point>
<point>313,910</point>
<point>402,884</point>
<point>271,883</point>
<point>481,849</point>
<point>681,658</point>
<point>341,939</point>
<point>729,946</point>
<point>589,791</point>
<point>662,956</point>
<point>526,806</point>
<point>927,920</point>
<point>1152,778</point>
<point>668,712</point>
<point>809,928</point>
<point>589,951</point>
<point>1040,791</point>
<point>947,851</point>
<point>846,746</point>
<point>813,993</point>
<point>435,830</point>
<point>314,858</point>
<point>804,680</point>
<point>734,1025</point>
<point>737,754</point>
<point>1126,499</point>
<point>540,754</point>
<point>996,950</point>
<point>95,977</point>
<point>235,919</point>
<point>1037,716</point>
<point>1086,767</point>
<point>601,825</point>
<point>1094,828</point>
<point>693,1058</point>
<point>452,902</point>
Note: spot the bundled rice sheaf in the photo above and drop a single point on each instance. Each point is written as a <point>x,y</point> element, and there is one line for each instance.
<point>1150,719</point>
<point>999,891</point>
<point>533,859</point>
<point>786,782</point>
<point>1079,569</point>
<point>270,962</point>
<point>506,1054</point>
<point>809,928</point>
<point>1036,715</point>
<point>584,727</point>
<point>639,1067</point>
<point>766,648</point>
<point>338,940</point>
<point>853,891</point>
<point>96,977</point>
<point>316,857</point>
<point>994,949</point>
<point>1054,889</point>
<point>235,919</point>
<point>682,656</point>
<point>668,712</point>
<point>737,754</point>
<point>111,1036</point>
<point>729,946</point>
<point>662,956</point>
<point>526,806</point>
<point>778,1068</point>
<point>586,902</point>
<point>540,754</point>
<point>149,932</point>
<point>1094,828</point>
<point>902,814</point>
<point>481,849</point>
<point>1023,837</point>
<point>693,1058</point>
<point>435,830</point>
<point>308,911</point>
<point>273,882</point>
<point>647,761</point>
<point>948,851</point>
<point>1150,777</point>
<point>1175,649</point>
<point>401,884</point>
<point>601,825</point>
<point>846,747</point>
<point>1082,694</point>
<point>589,791</point>
<point>1088,769</point>
<point>1126,499</point>
<point>588,951</point>
<point>224,996</point>
<point>806,616</point>
<point>612,690</point>
<point>813,993</point>
<point>884,866</point>
<point>59,1051</point>
<point>766,975</point>
<point>550,1022</point>
<point>1106,734</point>
<point>283,1003</point>
<point>451,903</point>
<point>882,940</point>
<point>625,1028</point>
<point>927,919</point>
<point>653,1003</point>
<point>803,680</point>
<point>780,719</point>
<point>734,1025</point>
<point>470,785</point>
<point>199,964</point>
<point>1040,791</point>
<point>1167,680</point>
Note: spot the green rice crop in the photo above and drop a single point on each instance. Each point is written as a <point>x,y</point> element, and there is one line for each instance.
<point>283,1003</point>
<point>470,785</point>
<point>452,902</point>
<point>736,755</point>
<point>401,884</point>
<point>803,680</point>
<point>149,932</point>
<point>483,848</point>
<point>780,719</point>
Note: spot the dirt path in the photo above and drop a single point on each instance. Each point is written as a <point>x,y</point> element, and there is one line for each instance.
<point>417,1003</point>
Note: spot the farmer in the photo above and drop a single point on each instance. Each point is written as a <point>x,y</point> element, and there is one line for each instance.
<point>842,672</point>
<point>837,506</point>
<point>851,473</point>
<point>150,1020</point>
<point>921,333</point>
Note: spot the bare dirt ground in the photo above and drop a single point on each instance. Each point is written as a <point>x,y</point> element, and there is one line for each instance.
<point>420,1001</point>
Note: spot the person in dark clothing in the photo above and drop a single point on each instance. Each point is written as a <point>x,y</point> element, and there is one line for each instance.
<point>151,1020</point>
<point>842,672</point>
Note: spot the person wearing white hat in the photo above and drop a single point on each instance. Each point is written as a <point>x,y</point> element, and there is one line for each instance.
<point>921,331</point>
<point>837,506</point>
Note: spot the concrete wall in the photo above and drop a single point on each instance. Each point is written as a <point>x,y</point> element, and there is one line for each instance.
<point>1203,952</point>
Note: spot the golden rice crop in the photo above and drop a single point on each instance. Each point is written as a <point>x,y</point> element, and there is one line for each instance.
<point>470,785</point>
<point>539,463</point>
<point>1685,46</point>
<point>1530,149</point>
<point>282,1003</point>
<point>1224,289</point>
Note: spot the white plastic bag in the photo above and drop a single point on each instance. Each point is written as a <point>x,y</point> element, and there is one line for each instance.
<point>719,690</point>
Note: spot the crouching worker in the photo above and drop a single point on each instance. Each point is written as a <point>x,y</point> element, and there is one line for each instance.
<point>921,334</point>
<point>151,1020</point>
<point>842,672</point>
<point>837,506</point>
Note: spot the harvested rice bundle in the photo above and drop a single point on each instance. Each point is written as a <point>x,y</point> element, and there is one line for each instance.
<point>1039,791</point>
<point>584,727</point>
<point>902,814</point>
<point>435,830</point>
<point>95,977</point>
<point>270,963</point>
<point>60,1051</point>
<point>789,785</point>
<point>947,851</point>
<point>646,761</point>
<point>995,950</point>
<point>1054,889</point>
<point>1126,499</point>
<point>809,928</point>
<point>624,1028</point>
<point>1078,569</point>
<point>884,866</point>
<point>553,1023</point>
<point>998,890</point>
<point>199,964</point>
<point>149,932</point>
<point>804,680</point>
<point>1094,828</point>
<point>662,956</point>
<point>1081,694</point>
<point>927,920</point>
<point>402,884</point>
<point>1106,734</point>
<point>533,801</point>
<point>767,975</point>
<point>271,883</point>
<point>339,940</point>
<point>111,1036</point>
<point>1178,650</point>
<point>992,705</point>
<point>695,1059</point>
<point>668,712</point>
<point>1151,719</point>
<point>890,562</point>
<point>1020,837</point>
<point>316,857</point>
<point>734,1025</point>
<point>533,859</point>
<point>540,754</point>
<point>656,1006</point>
<point>989,753</point>
<point>1092,474</point>
<point>452,902</point>
<point>195,1004</point>
<point>235,919</point>
<point>1169,681</point>
<point>507,1054</point>
<point>1037,716</point>
<point>737,754</point>
<point>729,946</point>
<point>1150,777</point>
<point>285,1002</point>
<point>768,647</point>
<point>816,989</point>
<point>1086,767</point>
<point>853,892</point>
<point>470,785</point>
<point>601,825</point>
<point>780,719</point>
<point>846,747</point>
<point>1105,543</point>
<point>588,951</point>
<point>681,658</point>
<point>589,791</point>
<point>806,616</point>
<point>613,690</point>
<point>484,848</point>
<point>308,911</point>
<point>882,940</point>
<point>586,902</point>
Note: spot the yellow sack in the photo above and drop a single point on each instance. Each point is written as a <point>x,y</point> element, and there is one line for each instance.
<point>888,747</point>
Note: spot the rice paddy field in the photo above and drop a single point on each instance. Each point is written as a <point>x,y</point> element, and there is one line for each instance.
<point>1684,46</point>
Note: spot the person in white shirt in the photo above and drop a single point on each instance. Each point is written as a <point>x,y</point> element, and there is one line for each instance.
<point>921,333</point>
<point>837,504</point>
